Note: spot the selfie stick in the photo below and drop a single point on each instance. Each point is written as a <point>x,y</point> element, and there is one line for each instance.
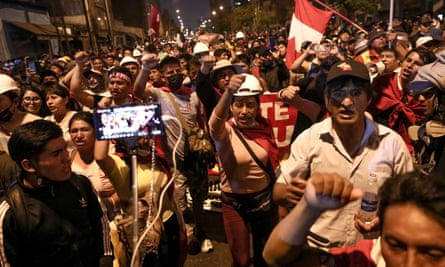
<point>164,191</point>
<point>134,186</point>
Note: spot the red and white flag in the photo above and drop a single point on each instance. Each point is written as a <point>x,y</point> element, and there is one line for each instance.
<point>154,21</point>
<point>308,24</point>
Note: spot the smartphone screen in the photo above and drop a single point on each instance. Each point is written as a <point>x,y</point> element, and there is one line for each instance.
<point>127,121</point>
<point>31,64</point>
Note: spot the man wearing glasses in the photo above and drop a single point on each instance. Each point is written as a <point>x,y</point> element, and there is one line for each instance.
<point>428,135</point>
<point>349,144</point>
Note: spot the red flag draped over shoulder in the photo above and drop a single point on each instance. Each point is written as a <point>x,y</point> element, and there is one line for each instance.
<point>308,24</point>
<point>154,21</point>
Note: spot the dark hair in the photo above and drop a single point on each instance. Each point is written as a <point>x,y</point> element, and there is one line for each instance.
<point>47,73</point>
<point>391,49</point>
<point>426,191</point>
<point>92,58</point>
<point>282,43</point>
<point>242,58</point>
<point>427,56</point>
<point>57,89</point>
<point>57,66</point>
<point>218,52</point>
<point>28,140</point>
<point>85,116</point>
<point>44,111</point>
<point>168,60</point>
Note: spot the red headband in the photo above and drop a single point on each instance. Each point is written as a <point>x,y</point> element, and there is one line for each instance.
<point>120,75</point>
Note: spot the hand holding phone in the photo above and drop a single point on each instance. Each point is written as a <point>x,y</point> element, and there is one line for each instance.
<point>31,65</point>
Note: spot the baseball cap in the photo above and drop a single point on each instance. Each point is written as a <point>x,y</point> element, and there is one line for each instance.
<point>348,68</point>
<point>425,19</point>
<point>7,84</point>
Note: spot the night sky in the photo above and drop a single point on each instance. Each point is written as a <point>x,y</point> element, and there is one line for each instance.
<point>190,10</point>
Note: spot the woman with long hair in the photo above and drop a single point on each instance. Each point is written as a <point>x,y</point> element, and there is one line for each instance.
<point>62,108</point>
<point>33,101</point>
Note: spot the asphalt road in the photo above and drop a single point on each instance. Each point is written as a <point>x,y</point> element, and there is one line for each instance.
<point>220,256</point>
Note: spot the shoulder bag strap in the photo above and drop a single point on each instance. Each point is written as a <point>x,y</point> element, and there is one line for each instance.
<point>268,169</point>
<point>179,114</point>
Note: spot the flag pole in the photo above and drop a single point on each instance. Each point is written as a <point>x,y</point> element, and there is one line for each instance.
<point>391,14</point>
<point>341,16</point>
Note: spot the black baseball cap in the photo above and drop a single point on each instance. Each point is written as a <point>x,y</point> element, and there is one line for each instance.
<point>348,68</point>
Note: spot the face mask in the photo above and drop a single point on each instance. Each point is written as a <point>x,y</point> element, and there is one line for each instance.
<point>6,115</point>
<point>175,81</point>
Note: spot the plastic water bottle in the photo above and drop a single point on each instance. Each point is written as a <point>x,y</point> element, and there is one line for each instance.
<point>368,206</point>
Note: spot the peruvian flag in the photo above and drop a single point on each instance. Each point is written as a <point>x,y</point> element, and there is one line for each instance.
<point>154,21</point>
<point>308,24</point>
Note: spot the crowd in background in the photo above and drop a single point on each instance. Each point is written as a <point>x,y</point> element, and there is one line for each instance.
<point>202,79</point>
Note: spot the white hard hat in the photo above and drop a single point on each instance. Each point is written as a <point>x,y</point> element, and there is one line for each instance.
<point>250,87</point>
<point>200,48</point>
<point>137,52</point>
<point>128,59</point>
<point>239,35</point>
<point>423,40</point>
<point>7,84</point>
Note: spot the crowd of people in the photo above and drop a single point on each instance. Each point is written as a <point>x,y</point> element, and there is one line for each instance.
<point>371,104</point>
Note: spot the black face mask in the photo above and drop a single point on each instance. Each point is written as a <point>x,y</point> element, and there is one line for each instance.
<point>175,81</point>
<point>6,115</point>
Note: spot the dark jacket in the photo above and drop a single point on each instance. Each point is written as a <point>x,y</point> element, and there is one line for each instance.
<point>58,224</point>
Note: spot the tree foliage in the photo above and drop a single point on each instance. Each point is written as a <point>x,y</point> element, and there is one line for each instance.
<point>367,6</point>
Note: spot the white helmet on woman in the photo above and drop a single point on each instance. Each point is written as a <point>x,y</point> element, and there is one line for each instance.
<point>250,87</point>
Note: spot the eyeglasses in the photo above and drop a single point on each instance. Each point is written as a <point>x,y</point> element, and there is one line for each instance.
<point>427,94</point>
<point>32,99</point>
<point>426,24</point>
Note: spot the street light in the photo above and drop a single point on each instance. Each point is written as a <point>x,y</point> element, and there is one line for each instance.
<point>214,13</point>
<point>177,11</point>
<point>221,8</point>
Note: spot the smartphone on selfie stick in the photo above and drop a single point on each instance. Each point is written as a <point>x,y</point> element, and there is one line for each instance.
<point>129,123</point>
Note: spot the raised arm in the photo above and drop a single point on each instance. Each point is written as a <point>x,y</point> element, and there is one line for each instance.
<point>113,167</point>
<point>325,191</point>
<point>76,85</point>
<point>290,95</point>
<point>149,61</point>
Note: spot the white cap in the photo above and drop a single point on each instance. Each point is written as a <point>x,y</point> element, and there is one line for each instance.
<point>128,59</point>
<point>250,87</point>
<point>200,47</point>
<point>239,35</point>
<point>423,40</point>
<point>7,84</point>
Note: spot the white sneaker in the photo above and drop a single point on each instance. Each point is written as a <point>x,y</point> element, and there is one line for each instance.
<point>206,246</point>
